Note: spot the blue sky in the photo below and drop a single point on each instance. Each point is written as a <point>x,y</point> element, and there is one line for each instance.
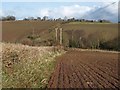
<point>59,9</point>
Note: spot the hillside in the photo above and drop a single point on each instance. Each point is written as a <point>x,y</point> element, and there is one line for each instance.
<point>14,31</point>
<point>42,33</point>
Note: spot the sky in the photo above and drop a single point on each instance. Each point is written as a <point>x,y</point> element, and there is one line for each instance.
<point>87,10</point>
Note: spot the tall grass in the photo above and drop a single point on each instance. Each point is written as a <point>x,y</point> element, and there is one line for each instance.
<point>27,66</point>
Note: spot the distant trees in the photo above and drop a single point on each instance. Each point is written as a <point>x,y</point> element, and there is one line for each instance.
<point>103,20</point>
<point>29,18</point>
<point>8,18</point>
<point>25,19</point>
<point>95,40</point>
<point>113,44</point>
<point>45,18</point>
<point>38,18</point>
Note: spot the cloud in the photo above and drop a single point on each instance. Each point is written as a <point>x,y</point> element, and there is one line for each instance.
<point>69,11</point>
<point>1,14</point>
<point>109,13</point>
<point>87,12</point>
<point>58,0</point>
<point>75,10</point>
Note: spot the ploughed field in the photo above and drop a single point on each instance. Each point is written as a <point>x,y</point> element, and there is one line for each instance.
<point>15,31</point>
<point>86,69</point>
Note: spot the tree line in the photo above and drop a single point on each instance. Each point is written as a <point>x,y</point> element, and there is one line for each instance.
<point>8,18</point>
<point>77,39</point>
<point>46,18</point>
<point>96,40</point>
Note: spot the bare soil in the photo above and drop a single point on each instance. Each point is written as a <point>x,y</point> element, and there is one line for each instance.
<point>86,69</point>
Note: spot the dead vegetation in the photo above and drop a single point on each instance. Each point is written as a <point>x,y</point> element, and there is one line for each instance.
<point>26,66</point>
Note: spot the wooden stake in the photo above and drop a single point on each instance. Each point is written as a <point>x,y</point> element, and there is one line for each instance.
<point>56,29</point>
<point>60,36</point>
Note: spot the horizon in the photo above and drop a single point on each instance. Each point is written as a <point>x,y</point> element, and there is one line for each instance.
<point>78,10</point>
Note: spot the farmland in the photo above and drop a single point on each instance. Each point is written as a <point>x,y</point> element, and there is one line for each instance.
<point>86,69</point>
<point>39,63</point>
<point>14,31</point>
<point>94,27</point>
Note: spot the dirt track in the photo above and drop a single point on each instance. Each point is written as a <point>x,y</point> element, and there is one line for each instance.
<point>85,69</point>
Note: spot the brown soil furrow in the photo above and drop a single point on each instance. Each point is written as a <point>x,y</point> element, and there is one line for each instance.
<point>104,77</point>
<point>101,81</point>
<point>94,81</point>
<point>78,69</point>
<point>60,77</point>
<point>104,68</point>
<point>54,81</point>
<point>82,78</point>
<point>109,72</point>
<point>66,78</point>
<point>71,77</point>
<point>77,81</point>
<point>87,79</point>
<point>51,79</point>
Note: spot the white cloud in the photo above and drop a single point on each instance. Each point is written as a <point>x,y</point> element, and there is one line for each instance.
<point>1,13</point>
<point>77,11</point>
<point>113,8</point>
<point>110,13</point>
<point>45,12</point>
<point>69,11</point>
<point>107,11</point>
<point>59,0</point>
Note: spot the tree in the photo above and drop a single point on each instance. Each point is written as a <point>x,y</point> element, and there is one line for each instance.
<point>75,38</point>
<point>8,18</point>
<point>38,18</point>
<point>65,18</point>
<point>45,18</point>
<point>30,18</point>
<point>25,19</point>
<point>78,37</point>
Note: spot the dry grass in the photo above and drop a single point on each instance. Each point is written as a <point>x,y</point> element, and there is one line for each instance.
<point>27,66</point>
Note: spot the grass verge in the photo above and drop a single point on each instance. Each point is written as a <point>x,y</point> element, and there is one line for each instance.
<point>26,66</point>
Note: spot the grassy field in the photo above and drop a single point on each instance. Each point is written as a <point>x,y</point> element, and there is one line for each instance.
<point>27,66</point>
<point>90,28</point>
<point>16,30</point>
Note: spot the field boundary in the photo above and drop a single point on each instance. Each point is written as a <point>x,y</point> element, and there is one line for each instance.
<point>94,50</point>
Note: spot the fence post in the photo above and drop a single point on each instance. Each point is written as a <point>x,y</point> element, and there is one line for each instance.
<point>61,36</point>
